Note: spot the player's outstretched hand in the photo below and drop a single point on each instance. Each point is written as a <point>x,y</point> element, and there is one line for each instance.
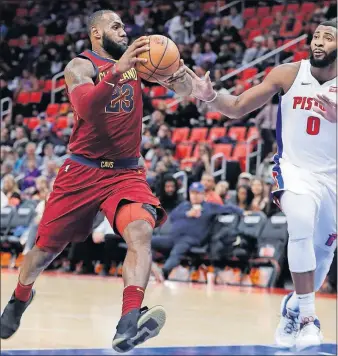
<point>330,113</point>
<point>201,87</point>
<point>129,58</point>
<point>180,81</point>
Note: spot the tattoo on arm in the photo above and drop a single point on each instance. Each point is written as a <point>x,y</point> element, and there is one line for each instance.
<point>77,72</point>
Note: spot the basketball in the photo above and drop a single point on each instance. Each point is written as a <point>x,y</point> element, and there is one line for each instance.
<point>163,59</point>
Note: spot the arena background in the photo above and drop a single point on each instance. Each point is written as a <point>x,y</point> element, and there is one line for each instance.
<point>182,142</point>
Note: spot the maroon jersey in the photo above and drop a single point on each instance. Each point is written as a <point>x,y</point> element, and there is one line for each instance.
<point>116,130</point>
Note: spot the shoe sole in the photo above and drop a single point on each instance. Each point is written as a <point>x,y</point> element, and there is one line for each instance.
<point>8,337</point>
<point>149,325</point>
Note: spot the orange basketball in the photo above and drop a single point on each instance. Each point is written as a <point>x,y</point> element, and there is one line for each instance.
<point>163,59</point>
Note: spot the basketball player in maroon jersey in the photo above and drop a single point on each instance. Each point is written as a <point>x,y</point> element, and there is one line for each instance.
<point>104,172</point>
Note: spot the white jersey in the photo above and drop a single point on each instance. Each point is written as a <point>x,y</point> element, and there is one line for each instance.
<point>305,139</point>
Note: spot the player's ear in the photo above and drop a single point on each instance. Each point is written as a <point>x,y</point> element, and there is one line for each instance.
<point>96,33</point>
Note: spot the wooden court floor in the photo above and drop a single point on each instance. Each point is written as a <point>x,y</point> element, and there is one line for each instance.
<point>82,312</point>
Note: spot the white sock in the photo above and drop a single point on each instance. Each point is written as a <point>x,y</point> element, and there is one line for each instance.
<point>293,303</point>
<point>307,310</point>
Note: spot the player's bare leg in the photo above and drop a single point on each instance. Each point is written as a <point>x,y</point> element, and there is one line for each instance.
<point>137,324</point>
<point>35,261</point>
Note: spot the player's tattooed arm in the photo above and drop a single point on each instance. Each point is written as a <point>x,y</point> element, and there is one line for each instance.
<point>180,82</point>
<point>237,106</point>
<point>77,72</point>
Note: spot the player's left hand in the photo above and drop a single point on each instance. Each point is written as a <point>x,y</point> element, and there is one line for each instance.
<point>180,82</point>
<point>330,113</point>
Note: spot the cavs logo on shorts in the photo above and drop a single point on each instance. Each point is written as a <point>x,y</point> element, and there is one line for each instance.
<point>107,164</point>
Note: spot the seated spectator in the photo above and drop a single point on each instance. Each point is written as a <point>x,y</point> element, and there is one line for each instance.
<point>48,156</point>
<point>208,57</point>
<point>244,178</point>
<point>196,54</point>
<point>163,138</point>
<point>257,50</point>
<point>11,190</point>
<point>74,25</point>
<point>51,171</point>
<point>291,27</point>
<point>27,83</point>
<point>41,189</point>
<point>244,197</point>
<point>31,173</point>
<point>211,196</point>
<point>259,201</point>
<point>157,119</point>
<point>236,18</point>
<point>30,154</point>
<point>191,222</point>
<point>222,189</point>
<point>274,28</point>
<point>170,162</point>
<point>4,139</point>
<point>203,163</point>
<point>168,196</point>
<point>185,114</point>
<point>20,139</point>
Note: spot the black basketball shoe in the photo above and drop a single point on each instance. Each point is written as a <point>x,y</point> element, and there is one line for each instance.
<point>137,326</point>
<point>10,318</point>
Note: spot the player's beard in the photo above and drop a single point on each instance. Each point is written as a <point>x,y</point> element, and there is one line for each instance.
<point>113,48</point>
<point>324,62</point>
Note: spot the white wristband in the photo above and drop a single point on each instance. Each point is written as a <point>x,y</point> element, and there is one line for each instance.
<point>209,101</point>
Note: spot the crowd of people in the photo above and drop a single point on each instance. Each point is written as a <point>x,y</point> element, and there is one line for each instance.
<point>207,40</point>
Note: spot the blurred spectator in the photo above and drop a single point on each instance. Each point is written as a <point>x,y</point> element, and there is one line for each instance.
<point>3,200</point>
<point>20,139</point>
<point>163,137</point>
<point>27,83</point>
<point>222,189</point>
<point>170,162</point>
<point>266,124</point>
<point>229,33</point>
<point>190,226</point>
<point>22,164</point>
<point>291,27</point>
<point>157,119</point>
<point>211,196</point>
<point>48,156</point>
<point>236,18</point>
<point>74,25</point>
<point>196,54</point>
<point>51,171</point>
<point>31,172</point>
<point>42,189</point>
<point>208,57</point>
<point>11,190</point>
<point>203,163</point>
<point>244,178</point>
<point>254,52</point>
<point>139,16</point>
<point>185,114</point>
<point>259,201</point>
<point>244,197</point>
<point>276,25</point>
<point>168,196</point>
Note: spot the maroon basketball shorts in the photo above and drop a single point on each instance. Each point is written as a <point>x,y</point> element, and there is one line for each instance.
<point>79,192</point>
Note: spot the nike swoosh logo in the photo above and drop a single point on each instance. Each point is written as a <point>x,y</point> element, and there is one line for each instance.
<point>302,83</point>
<point>140,290</point>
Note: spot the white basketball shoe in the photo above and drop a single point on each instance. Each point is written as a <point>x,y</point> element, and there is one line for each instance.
<point>288,327</point>
<point>309,334</point>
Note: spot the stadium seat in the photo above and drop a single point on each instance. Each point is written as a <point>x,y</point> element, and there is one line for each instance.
<point>52,109</point>
<point>253,224</point>
<point>42,30</point>
<point>60,83</point>
<point>277,8</point>
<point>252,23</point>
<point>216,132</point>
<point>291,48</point>
<point>20,12</point>
<point>254,33</point>
<point>198,134</point>
<point>180,134</point>
<point>237,133</point>
<point>249,73</point>
<point>64,108</point>
<point>213,115</point>
<point>23,98</point>
<point>60,39</point>
<point>263,11</point>
<point>300,55</point>
<point>14,42</point>
<point>62,122</point>
<point>36,97</point>
<point>172,104</point>
<point>6,215</point>
<point>266,22</point>
<point>48,85</point>
<point>32,123</point>
<point>183,150</point>
<point>225,148</point>
<point>158,91</point>
<point>249,12</point>
<point>292,7</point>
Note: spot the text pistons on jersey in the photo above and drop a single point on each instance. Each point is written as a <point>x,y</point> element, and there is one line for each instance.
<point>305,103</point>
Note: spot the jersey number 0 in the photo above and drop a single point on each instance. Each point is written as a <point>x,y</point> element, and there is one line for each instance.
<point>313,125</point>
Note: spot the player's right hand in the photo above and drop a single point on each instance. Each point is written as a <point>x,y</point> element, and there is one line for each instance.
<point>129,58</point>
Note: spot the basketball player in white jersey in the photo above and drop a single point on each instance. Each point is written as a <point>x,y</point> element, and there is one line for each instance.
<point>305,170</point>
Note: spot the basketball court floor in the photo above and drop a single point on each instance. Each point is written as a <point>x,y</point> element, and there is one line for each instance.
<point>77,315</point>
